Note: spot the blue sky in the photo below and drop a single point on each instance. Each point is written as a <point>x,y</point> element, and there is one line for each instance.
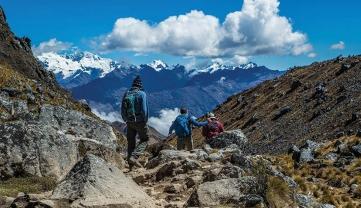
<point>80,22</point>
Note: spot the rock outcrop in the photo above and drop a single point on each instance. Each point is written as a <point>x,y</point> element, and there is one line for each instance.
<point>51,142</point>
<point>94,183</point>
<point>228,138</point>
<point>232,191</point>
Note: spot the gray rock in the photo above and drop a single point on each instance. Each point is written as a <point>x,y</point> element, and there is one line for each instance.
<point>167,170</point>
<point>193,181</point>
<point>282,112</point>
<point>331,156</point>
<point>357,150</point>
<point>231,149</point>
<point>251,200</point>
<point>293,149</point>
<point>306,155</point>
<point>25,201</point>
<point>305,201</point>
<point>189,165</point>
<point>171,155</point>
<point>327,206</point>
<point>344,150</point>
<point>201,154</point>
<point>228,138</point>
<point>240,160</point>
<point>94,183</point>
<point>52,143</point>
<point>229,171</point>
<point>224,192</point>
<point>14,108</point>
<point>354,188</point>
<point>10,91</point>
<point>213,157</point>
<point>211,174</point>
<point>207,148</point>
<point>173,188</point>
<point>311,145</point>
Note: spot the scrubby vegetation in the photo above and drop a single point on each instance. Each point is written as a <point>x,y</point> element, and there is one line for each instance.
<point>24,88</point>
<point>340,186</point>
<point>278,193</point>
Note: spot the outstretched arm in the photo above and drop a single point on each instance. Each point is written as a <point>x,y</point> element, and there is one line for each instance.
<point>196,123</point>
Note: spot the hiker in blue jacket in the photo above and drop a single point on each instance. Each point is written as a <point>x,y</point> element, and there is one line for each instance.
<point>182,126</point>
<point>135,113</point>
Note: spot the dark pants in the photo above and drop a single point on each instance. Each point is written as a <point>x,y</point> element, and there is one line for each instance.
<point>185,143</point>
<point>134,129</point>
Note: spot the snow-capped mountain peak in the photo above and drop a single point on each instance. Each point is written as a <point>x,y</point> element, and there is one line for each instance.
<point>158,65</point>
<point>215,66</point>
<point>70,64</point>
<point>59,64</point>
<point>249,65</point>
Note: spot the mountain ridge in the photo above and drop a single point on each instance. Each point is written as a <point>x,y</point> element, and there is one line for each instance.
<point>318,102</point>
<point>167,86</point>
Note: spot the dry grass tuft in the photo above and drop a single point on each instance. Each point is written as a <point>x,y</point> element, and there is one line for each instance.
<point>34,185</point>
<point>317,180</point>
<point>278,194</point>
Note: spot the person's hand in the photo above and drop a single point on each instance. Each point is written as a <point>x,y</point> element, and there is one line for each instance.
<point>209,120</point>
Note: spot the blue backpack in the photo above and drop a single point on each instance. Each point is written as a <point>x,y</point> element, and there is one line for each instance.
<point>182,126</point>
<point>132,104</point>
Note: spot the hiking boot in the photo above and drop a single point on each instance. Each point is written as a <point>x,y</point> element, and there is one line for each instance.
<point>132,162</point>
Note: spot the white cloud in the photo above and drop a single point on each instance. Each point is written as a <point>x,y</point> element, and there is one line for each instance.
<point>111,116</point>
<point>52,45</point>
<point>338,46</point>
<point>312,55</point>
<point>256,29</point>
<point>239,60</point>
<point>105,111</point>
<point>164,121</point>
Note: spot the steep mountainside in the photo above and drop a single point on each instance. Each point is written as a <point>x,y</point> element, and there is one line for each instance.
<point>16,53</point>
<point>319,102</point>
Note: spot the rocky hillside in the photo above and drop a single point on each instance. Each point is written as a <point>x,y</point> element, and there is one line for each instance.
<point>327,172</point>
<point>320,102</point>
<point>16,53</point>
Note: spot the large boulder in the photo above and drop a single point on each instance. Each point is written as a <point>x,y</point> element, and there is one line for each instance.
<point>52,143</point>
<point>94,183</point>
<point>228,192</point>
<point>228,138</point>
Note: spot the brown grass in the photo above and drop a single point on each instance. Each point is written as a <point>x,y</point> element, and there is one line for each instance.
<point>319,185</point>
<point>34,185</point>
<point>13,79</point>
<point>278,194</point>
